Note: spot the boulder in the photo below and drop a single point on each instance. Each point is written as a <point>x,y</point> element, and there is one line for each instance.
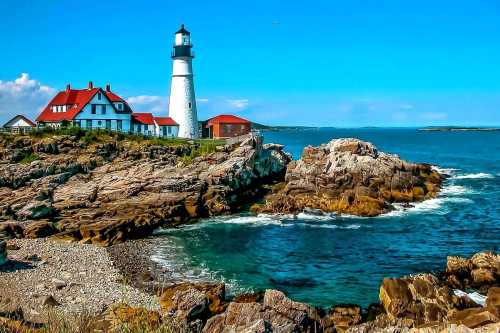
<point>479,272</point>
<point>473,318</point>
<point>493,301</point>
<point>214,292</point>
<point>350,176</point>
<point>420,298</point>
<point>187,306</point>
<point>276,313</point>
<point>341,317</point>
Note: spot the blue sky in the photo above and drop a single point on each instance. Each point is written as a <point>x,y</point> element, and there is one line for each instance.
<point>320,63</point>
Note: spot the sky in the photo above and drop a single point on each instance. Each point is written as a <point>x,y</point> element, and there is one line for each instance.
<point>317,63</point>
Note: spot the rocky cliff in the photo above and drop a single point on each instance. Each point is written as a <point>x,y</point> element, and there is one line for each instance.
<point>350,176</point>
<point>110,189</point>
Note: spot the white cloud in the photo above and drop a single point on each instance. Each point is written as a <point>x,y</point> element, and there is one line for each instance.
<point>23,96</point>
<point>202,100</point>
<point>149,103</point>
<point>238,103</point>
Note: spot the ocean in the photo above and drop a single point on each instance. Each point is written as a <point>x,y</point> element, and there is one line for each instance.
<point>331,259</point>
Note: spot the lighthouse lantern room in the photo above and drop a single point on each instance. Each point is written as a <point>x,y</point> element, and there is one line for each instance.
<point>182,104</point>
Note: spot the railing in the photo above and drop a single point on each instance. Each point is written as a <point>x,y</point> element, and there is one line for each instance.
<point>16,130</point>
<point>239,139</point>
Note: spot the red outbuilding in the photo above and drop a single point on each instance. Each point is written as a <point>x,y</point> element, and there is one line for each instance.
<point>227,126</point>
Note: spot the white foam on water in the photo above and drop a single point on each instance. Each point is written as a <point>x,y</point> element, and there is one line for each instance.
<point>452,190</point>
<point>444,171</point>
<point>480,175</point>
<point>316,217</point>
<point>437,205</point>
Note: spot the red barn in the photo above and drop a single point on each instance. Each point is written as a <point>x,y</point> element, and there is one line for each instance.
<point>227,126</point>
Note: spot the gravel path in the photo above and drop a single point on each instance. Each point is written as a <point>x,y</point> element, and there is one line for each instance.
<point>79,277</point>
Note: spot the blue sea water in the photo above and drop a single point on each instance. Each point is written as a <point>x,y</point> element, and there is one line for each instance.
<point>325,260</point>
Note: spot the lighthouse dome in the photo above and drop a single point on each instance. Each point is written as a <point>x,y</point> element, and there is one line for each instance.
<point>183,31</point>
<point>182,37</point>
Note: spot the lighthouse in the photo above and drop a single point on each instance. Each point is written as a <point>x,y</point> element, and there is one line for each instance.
<point>182,104</point>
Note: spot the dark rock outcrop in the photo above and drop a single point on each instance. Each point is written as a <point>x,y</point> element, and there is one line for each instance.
<point>107,192</point>
<point>350,176</point>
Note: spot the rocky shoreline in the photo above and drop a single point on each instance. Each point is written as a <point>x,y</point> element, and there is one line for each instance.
<point>121,280</point>
<point>108,189</point>
<point>77,193</point>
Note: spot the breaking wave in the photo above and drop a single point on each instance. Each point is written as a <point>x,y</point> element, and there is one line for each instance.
<point>480,175</point>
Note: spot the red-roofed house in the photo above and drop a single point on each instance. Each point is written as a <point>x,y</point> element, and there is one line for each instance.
<point>147,124</point>
<point>227,126</point>
<point>166,127</point>
<point>87,108</point>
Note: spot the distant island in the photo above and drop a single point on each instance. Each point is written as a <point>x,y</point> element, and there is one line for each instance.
<point>262,127</point>
<point>454,128</point>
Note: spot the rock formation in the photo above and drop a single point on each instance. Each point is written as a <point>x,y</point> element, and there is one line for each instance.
<point>110,190</point>
<point>350,176</point>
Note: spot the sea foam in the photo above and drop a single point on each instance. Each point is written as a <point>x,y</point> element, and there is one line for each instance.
<point>480,175</point>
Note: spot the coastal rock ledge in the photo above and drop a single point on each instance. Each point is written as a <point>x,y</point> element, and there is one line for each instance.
<point>350,176</point>
<point>108,189</point>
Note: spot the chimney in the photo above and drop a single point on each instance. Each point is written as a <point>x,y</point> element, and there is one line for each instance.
<point>91,85</point>
<point>68,87</point>
<point>108,87</point>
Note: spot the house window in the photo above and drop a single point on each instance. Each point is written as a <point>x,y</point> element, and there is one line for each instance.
<point>99,96</point>
<point>169,130</point>
<point>119,125</point>
<point>89,123</point>
<point>119,106</point>
<point>108,124</point>
<point>139,129</point>
<point>103,109</point>
<point>94,108</point>
<point>77,123</point>
<point>99,123</point>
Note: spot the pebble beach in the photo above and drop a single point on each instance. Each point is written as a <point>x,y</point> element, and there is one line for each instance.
<point>44,275</point>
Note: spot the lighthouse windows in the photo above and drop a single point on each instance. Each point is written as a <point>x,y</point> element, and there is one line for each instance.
<point>189,105</point>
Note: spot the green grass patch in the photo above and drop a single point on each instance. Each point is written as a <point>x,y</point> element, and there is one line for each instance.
<point>29,158</point>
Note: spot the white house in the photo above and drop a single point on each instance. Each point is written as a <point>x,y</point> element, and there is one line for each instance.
<point>19,124</point>
<point>147,124</point>
<point>87,108</point>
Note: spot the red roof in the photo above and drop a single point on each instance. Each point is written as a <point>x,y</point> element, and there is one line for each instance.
<point>143,118</point>
<point>165,121</point>
<point>227,119</point>
<point>77,99</point>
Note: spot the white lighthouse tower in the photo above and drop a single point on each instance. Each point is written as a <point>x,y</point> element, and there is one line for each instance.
<point>182,105</point>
